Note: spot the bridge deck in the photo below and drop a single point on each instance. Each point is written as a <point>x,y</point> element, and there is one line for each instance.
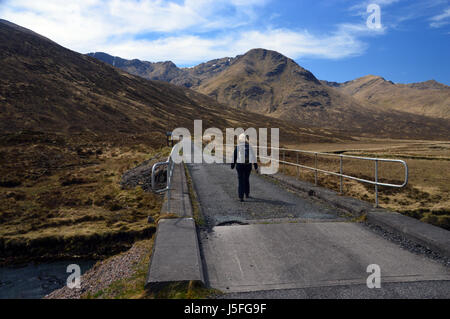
<point>216,186</point>
<point>287,256</point>
<point>321,249</point>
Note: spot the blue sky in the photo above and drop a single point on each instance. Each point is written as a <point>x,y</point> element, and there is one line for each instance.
<point>331,38</point>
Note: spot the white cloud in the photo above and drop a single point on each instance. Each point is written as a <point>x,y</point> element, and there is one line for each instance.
<point>441,19</point>
<point>187,50</point>
<point>362,5</point>
<point>298,44</point>
<point>131,16</point>
<point>222,28</point>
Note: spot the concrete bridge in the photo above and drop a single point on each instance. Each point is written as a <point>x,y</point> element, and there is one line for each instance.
<point>285,243</point>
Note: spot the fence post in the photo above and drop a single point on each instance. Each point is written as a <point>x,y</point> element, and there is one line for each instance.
<point>298,168</point>
<point>376,185</point>
<point>315,165</point>
<point>341,172</point>
<point>284,160</point>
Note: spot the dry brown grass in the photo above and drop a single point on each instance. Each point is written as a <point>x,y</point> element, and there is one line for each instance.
<point>65,199</point>
<point>427,195</point>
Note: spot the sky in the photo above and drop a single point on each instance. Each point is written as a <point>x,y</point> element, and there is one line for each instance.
<point>403,41</point>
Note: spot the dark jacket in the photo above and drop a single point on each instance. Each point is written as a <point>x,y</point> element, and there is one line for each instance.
<point>250,157</point>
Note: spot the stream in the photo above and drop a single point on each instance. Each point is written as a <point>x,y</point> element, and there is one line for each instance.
<point>34,281</point>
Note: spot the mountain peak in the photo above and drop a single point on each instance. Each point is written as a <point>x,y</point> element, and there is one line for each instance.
<point>431,84</point>
<point>264,55</point>
<point>371,77</point>
<point>274,63</point>
<point>262,51</point>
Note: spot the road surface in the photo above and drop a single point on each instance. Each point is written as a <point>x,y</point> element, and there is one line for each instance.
<point>281,244</point>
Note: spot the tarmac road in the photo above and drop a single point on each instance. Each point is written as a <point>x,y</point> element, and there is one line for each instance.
<point>217,184</point>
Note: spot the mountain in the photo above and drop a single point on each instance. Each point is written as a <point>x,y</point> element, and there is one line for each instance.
<point>70,127</point>
<point>46,87</point>
<point>262,76</point>
<point>429,98</point>
<point>268,83</point>
<point>167,71</point>
<point>161,71</point>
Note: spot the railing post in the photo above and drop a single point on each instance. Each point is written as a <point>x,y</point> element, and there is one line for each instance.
<point>376,185</point>
<point>315,165</point>
<point>341,178</point>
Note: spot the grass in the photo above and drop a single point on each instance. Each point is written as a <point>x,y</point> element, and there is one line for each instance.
<point>188,290</point>
<point>427,195</point>
<point>60,199</point>
<point>133,288</point>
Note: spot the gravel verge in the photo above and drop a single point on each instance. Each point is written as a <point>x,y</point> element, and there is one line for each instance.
<point>408,244</point>
<point>105,272</point>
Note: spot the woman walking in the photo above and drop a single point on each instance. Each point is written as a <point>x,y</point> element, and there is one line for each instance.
<point>243,159</point>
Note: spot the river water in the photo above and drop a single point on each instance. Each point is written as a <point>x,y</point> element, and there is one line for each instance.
<point>36,281</point>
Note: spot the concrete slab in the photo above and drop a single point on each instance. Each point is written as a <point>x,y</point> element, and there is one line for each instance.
<point>176,255</point>
<point>430,236</point>
<point>290,256</point>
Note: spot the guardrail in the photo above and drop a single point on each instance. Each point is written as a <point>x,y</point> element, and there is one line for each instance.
<point>315,169</point>
<point>170,166</point>
<point>341,174</point>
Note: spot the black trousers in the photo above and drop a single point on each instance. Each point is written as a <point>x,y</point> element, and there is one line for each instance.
<point>244,171</point>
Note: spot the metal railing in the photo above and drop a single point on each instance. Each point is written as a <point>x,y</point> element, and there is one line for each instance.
<point>341,174</point>
<point>170,166</point>
<point>315,169</point>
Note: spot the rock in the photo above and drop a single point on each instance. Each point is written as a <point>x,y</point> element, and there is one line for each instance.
<point>142,176</point>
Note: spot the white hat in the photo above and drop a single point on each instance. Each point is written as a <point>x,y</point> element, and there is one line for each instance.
<point>242,138</point>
